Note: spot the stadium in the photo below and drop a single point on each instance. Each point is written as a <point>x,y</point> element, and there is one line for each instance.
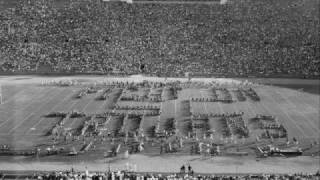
<point>159,89</point>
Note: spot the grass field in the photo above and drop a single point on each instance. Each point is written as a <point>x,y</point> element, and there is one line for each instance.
<point>25,102</point>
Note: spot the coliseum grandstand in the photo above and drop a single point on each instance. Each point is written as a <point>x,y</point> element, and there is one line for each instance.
<point>159,89</point>
<point>238,38</point>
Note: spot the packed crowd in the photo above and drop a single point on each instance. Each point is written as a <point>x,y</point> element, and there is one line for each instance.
<point>242,38</point>
<point>185,173</point>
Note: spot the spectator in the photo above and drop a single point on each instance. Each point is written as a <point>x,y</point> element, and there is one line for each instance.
<point>255,37</point>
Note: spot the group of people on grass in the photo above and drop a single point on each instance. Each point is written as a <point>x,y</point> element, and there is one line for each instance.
<point>185,173</point>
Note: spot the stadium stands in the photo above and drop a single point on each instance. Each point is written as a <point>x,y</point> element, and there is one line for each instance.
<point>240,38</point>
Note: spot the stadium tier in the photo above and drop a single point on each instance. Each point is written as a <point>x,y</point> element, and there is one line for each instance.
<point>240,38</point>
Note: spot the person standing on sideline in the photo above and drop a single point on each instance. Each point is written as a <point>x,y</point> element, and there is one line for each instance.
<point>182,169</point>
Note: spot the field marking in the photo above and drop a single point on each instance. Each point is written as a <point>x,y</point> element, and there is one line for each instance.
<point>204,104</point>
<point>175,108</point>
<point>232,105</point>
<point>105,102</point>
<point>205,108</point>
<point>288,116</point>
<point>21,122</point>
<point>31,114</point>
<point>311,124</point>
<point>33,98</point>
<point>221,108</point>
<point>21,105</point>
<point>82,110</point>
<point>41,119</point>
<point>250,109</point>
<point>13,96</point>
<point>103,105</point>
<point>1,111</point>
<point>70,109</point>
<point>283,120</point>
<point>30,102</point>
<point>125,125</point>
<point>311,97</point>
<point>89,102</point>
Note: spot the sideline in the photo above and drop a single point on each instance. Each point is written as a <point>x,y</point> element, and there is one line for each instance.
<point>171,164</point>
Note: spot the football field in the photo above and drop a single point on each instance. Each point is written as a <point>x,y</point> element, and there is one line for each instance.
<point>25,103</point>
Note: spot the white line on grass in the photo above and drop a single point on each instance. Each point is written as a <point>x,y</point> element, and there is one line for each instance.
<point>104,103</point>
<point>175,108</point>
<point>14,95</point>
<point>204,104</point>
<point>221,108</point>
<point>21,122</point>
<point>311,125</point>
<point>30,103</point>
<point>70,109</point>
<point>292,120</point>
<point>250,109</point>
<point>52,109</point>
<point>83,110</point>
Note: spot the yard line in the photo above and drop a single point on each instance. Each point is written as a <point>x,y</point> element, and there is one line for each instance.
<point>175,108</point>
<point>21,122</point>
<point>31,96</point>
<point>19,133</point>
<point>249,108</point>
<point>204,104</point>
<point>103,104</point>
<point>292,120</point>
<point>310,105</point>
<point>83,110</point>
<point>268,110</point>
<point>221,108</point>
<point>89,102</point>
<point>315,100</point>
<point>312,126</point>
<point>52,109</point>
<point>70,107</point>
<point>31,102</point>
<point>13,97</point>
<point>4,112</point>
<point>233,107</point>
